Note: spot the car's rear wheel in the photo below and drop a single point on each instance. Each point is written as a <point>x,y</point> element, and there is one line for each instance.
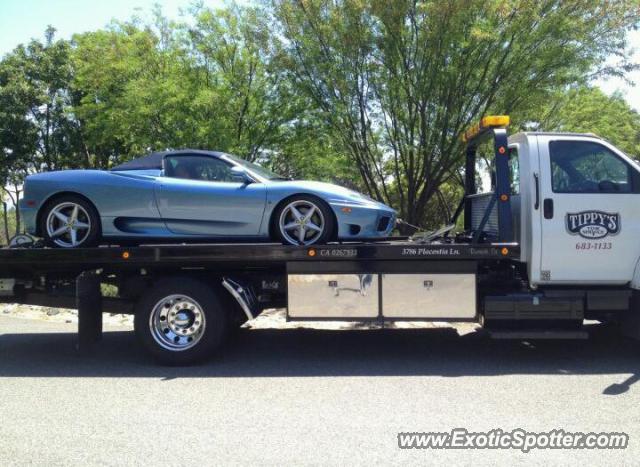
<point>70,222</point>
<point>304,220</point>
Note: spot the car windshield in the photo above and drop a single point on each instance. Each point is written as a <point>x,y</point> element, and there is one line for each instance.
<point>255,168</point>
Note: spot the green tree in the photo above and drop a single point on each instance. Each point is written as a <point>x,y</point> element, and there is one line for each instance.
<point>589,110</point>
<point>210,83</point>
<point>127,98</point>
<point>307,151</point>
<point>37,131</point>
<point>398,82</point>
<point>241,102</point>
<point>36,78</point>
<point>7,223</point>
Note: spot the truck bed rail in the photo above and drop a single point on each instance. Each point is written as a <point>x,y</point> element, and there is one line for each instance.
<point>202,255</point>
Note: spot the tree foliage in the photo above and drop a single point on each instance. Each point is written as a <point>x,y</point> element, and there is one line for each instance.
<point>589,110</point>
<point>37,131</point>
<point>167,85</point>
<point>398,82</point>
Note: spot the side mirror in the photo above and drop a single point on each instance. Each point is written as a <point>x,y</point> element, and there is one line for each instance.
<point>240,175</point>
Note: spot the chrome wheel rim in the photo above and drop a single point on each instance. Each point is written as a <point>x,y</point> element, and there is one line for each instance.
<point>177,322</point>
<point>68,225</point>
<point>301,223</point>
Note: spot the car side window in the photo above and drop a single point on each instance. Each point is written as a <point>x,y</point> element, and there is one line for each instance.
<point>203,168</point>
<point>587,167</point>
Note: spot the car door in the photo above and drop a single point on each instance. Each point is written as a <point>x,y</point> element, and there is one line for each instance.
<point>590,212</point>
<point>197,195</point>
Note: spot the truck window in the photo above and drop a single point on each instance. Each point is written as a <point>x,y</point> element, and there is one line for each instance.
<point>514,171</point>
<point>587,167</point>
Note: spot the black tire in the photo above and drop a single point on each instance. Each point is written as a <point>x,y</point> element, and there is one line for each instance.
<point>328,233</point>
<point>94,234</point>
<point>215,320</point>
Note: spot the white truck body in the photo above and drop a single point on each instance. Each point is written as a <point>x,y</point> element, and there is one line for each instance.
<point>591,236</point>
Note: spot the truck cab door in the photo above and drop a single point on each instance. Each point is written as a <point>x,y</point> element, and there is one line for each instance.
<point>589,212</point>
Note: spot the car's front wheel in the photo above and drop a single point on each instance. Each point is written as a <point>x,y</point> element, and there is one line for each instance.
<point>70,222</point>
<point>304,220</point>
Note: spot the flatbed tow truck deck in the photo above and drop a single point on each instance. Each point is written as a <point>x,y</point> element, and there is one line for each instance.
<point>516,268</point>
<point>117,258</point>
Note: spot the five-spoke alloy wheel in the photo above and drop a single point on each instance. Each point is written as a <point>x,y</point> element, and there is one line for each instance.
<point>70,222</point>
<point>303,220</point>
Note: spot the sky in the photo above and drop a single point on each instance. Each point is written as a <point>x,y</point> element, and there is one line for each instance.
<point>630,93</point>
<point>21,20</point>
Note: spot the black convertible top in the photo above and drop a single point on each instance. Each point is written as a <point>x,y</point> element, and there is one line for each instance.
<point>150,161</point>
<point>154,160</point>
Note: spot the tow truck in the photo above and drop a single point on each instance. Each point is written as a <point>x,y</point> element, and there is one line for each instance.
<point>552,244</point>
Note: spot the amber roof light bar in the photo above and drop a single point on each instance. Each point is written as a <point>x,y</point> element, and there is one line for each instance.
<point>486,123</point>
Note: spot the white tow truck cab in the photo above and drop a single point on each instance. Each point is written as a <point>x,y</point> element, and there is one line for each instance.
<point>554,243</point>
<point>578,199</point>
<point>571,202</point>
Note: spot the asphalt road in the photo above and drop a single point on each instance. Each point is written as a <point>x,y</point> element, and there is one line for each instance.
<point>281,397</point>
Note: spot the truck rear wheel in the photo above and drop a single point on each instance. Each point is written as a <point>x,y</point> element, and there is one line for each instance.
<point>180,321</point>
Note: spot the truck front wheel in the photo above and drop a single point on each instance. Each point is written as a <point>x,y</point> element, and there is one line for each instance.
<point>180,321</point>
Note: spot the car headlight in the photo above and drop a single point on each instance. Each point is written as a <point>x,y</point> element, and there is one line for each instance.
<point>351,200</point>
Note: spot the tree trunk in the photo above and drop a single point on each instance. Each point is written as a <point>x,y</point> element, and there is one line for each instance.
<point>15,199</point>
<point>6,221</point>
<point>17,211</point>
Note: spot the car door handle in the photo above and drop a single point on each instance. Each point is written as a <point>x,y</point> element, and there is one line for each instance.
<point>537,186</point>
<point>548,208</point>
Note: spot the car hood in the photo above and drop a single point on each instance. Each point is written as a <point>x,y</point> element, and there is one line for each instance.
<point>328,191</point>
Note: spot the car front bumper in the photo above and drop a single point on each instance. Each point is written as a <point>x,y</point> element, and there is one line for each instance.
<point>363,221</point>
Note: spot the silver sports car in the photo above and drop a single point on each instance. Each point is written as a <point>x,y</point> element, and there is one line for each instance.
<point>191,195</point>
